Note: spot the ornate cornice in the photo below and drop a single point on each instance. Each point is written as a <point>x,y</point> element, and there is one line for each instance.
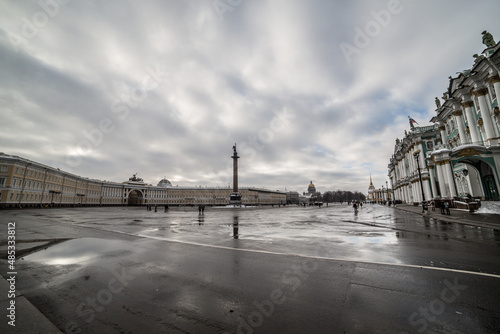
<point>442,163</point>
<point>467,104</point>
<point>493,79</point>
<point>457,113</point>
<point>468,152</point>
<point>480,92</point>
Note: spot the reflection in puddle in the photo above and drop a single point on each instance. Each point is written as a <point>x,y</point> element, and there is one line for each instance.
<point>235,226</point>
<point>77,250</point>
<point>367,238</point>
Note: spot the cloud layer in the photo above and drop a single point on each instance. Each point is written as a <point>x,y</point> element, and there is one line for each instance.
<point>165,88</point>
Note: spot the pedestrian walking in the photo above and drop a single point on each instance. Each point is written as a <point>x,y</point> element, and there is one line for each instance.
<point>447,207</point>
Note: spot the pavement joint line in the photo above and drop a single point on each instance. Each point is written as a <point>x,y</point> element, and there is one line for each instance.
<point>315,257</point>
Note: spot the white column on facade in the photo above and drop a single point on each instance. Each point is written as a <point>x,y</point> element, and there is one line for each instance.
<point>449,176</point>
<point>482,131</point>
<point>421,156</point>
<point>496,85</point>
<point>444,137</point>
<point>471,119</point>
<point>461,126</point>
<point>486,115</point>
<point>411,192</point>
<point>427,189</point>
<point>441,180</point>
<point>433,181</point>
<point>417,194</point>
<point>494,118</point>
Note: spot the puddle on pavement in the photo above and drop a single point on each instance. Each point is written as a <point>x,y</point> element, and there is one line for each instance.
<point>78,250</point>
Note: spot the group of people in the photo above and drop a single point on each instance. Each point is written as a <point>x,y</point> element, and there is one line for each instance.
<point>149,207</point>
<point>443,205</point>
<point>357,205</point>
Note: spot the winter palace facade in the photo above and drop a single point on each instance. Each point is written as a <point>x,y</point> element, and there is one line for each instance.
<point>460,153</point>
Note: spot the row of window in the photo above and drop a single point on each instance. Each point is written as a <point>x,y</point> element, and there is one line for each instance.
<point>47,197</point>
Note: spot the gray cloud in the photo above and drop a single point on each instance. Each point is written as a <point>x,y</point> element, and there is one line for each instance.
<point>176,86</point>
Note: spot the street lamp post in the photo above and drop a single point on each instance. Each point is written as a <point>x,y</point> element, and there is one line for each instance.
<point>424,204</point>
<point>387,189</point>
<point>393,195</point>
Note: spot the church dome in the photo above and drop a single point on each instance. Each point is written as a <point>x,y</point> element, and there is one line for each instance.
<point>165,183</point>
<point>311,188</point>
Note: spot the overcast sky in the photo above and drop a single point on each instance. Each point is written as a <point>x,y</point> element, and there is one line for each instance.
<point>308,90</point>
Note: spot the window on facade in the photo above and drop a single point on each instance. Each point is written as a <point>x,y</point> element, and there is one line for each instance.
<point>430,145</point>
<point>2,181</point>
<point>4,169</point>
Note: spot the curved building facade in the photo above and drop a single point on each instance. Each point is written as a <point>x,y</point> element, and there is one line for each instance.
<point>25,183</point>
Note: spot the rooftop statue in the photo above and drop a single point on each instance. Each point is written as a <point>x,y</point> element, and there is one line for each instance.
<point>477,58</point>
<point>438,103</point>
<point>466,73</point>
<point>445,96</point>
<point>488,39</point>
<point>134,178</point>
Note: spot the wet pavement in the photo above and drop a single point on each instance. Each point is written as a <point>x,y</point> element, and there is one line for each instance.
<point>258,270</point>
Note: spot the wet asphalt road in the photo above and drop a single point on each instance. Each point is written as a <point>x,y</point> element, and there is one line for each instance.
<point>270,270</point>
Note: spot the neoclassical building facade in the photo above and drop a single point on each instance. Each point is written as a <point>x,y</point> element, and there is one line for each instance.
<point>26,183</point>
<point>460,153</point>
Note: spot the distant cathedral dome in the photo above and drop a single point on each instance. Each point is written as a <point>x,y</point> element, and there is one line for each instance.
<point>165,183</point>
<point>311,189</point>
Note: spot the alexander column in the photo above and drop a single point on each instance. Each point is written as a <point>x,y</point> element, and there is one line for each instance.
<point>235,198</point>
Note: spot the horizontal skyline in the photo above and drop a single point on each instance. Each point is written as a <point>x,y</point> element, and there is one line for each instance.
<point>308,90</point>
